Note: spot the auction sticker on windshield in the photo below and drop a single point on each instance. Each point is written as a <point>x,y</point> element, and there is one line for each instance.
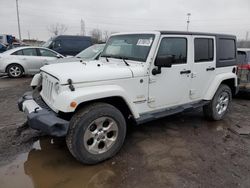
<point>144,42</point>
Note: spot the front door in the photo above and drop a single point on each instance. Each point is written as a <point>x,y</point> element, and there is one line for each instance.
<point>204,65</point>
<point>171,87</point>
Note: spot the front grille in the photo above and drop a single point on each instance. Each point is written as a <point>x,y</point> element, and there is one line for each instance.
<point>41,103</point>
<point>47,86</point>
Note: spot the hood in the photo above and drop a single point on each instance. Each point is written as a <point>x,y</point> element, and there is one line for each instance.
<point>88,72</point>
<point>65,60</point>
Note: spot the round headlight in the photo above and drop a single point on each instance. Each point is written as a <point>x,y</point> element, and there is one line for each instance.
<point>57,87</point>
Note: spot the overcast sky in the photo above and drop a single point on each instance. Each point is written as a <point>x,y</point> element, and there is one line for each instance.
<point>222,16</point>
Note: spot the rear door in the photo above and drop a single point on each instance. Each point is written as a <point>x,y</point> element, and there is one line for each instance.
<point>31,59</point>
<point>203,66</point>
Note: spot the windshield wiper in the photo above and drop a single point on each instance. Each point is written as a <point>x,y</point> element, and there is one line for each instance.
<point>116,57</point>
<point>106,57</point>
<point>124,60</point>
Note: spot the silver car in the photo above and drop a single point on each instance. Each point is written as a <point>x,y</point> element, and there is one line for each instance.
<point>26,60</point>
<point>91,53</point>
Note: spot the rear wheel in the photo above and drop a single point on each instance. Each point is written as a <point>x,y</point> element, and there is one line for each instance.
<point>96,133</point>
<point>15,71</point>
<point>220,104</point>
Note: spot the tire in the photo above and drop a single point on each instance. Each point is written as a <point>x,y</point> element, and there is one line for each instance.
<point>220,104</point>
<point>15,71</point>
<point>96,133</point>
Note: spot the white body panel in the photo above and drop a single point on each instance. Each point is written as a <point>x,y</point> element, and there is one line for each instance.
<point>135,84</point>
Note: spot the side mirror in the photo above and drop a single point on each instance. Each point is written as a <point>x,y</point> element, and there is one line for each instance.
<point>163,61</point>
<point>58,56</point>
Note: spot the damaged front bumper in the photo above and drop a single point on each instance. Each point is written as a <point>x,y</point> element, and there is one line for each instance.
<point>42,118</point>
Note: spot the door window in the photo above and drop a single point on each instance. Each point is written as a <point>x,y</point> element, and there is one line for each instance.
<point>203,50</point>
<point>175,48</point>
<point>30,52</point>
<point>47,53</point>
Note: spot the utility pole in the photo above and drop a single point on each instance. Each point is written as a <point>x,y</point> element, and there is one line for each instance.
<point>247,33</point>
<point>188,20</point>
<point>29,35</point>
<point>82,32</point>
<point>18,20</point>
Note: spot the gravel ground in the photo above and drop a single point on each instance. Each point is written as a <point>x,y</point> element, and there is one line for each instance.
<point>183,150</point>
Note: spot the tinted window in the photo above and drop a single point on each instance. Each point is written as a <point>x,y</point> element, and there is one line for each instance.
<point>175,48</point>
<point>203,49</point>
<point>47,53</point>
<point>248,57</point>
<point>226,49</point>
<point>19,52</point>
<point>29,52</point>
<point>75,44</point>
<point>242,57</point>
<point>56,44</point>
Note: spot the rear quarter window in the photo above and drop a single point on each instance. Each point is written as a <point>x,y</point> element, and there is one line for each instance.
<point>227,49</point>
<point>19,52</point>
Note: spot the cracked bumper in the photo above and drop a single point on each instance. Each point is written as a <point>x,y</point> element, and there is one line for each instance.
<point>42,119</point>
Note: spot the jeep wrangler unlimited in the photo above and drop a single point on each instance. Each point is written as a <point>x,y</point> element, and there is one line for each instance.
<point>141,77</point>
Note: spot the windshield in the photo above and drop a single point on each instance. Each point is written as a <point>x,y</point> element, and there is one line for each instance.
<point>91,52</point>
<point>47,44</point>
<point>132,47</point>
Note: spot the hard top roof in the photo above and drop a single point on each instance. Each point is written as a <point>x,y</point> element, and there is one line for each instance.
<point>193,33</point>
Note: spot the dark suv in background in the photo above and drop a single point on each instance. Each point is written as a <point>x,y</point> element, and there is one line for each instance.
<point>68,45</point>
<point>3,48</point>
<point>244,68</point>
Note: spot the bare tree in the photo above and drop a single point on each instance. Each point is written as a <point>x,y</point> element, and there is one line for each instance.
<point>96,35</point>
<point>57,29</point>
<point>106,35</point>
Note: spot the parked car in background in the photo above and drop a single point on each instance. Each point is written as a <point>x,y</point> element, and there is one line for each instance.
<point>244,68</point>
<point>3,48</point>
<point>26,60</point>
<point>91,53</point>
<point>68,45</point>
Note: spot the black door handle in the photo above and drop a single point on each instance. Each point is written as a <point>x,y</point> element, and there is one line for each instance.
<point>210,69</point>
<point>185,72</point>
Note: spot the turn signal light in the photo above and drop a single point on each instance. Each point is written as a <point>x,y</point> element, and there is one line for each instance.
<point>73,104</point>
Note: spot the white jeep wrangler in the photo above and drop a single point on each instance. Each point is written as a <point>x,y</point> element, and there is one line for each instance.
<point>140,76</point>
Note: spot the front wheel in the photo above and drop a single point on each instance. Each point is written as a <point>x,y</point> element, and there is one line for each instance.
<point>96,133</point>
<point>220,104</point>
